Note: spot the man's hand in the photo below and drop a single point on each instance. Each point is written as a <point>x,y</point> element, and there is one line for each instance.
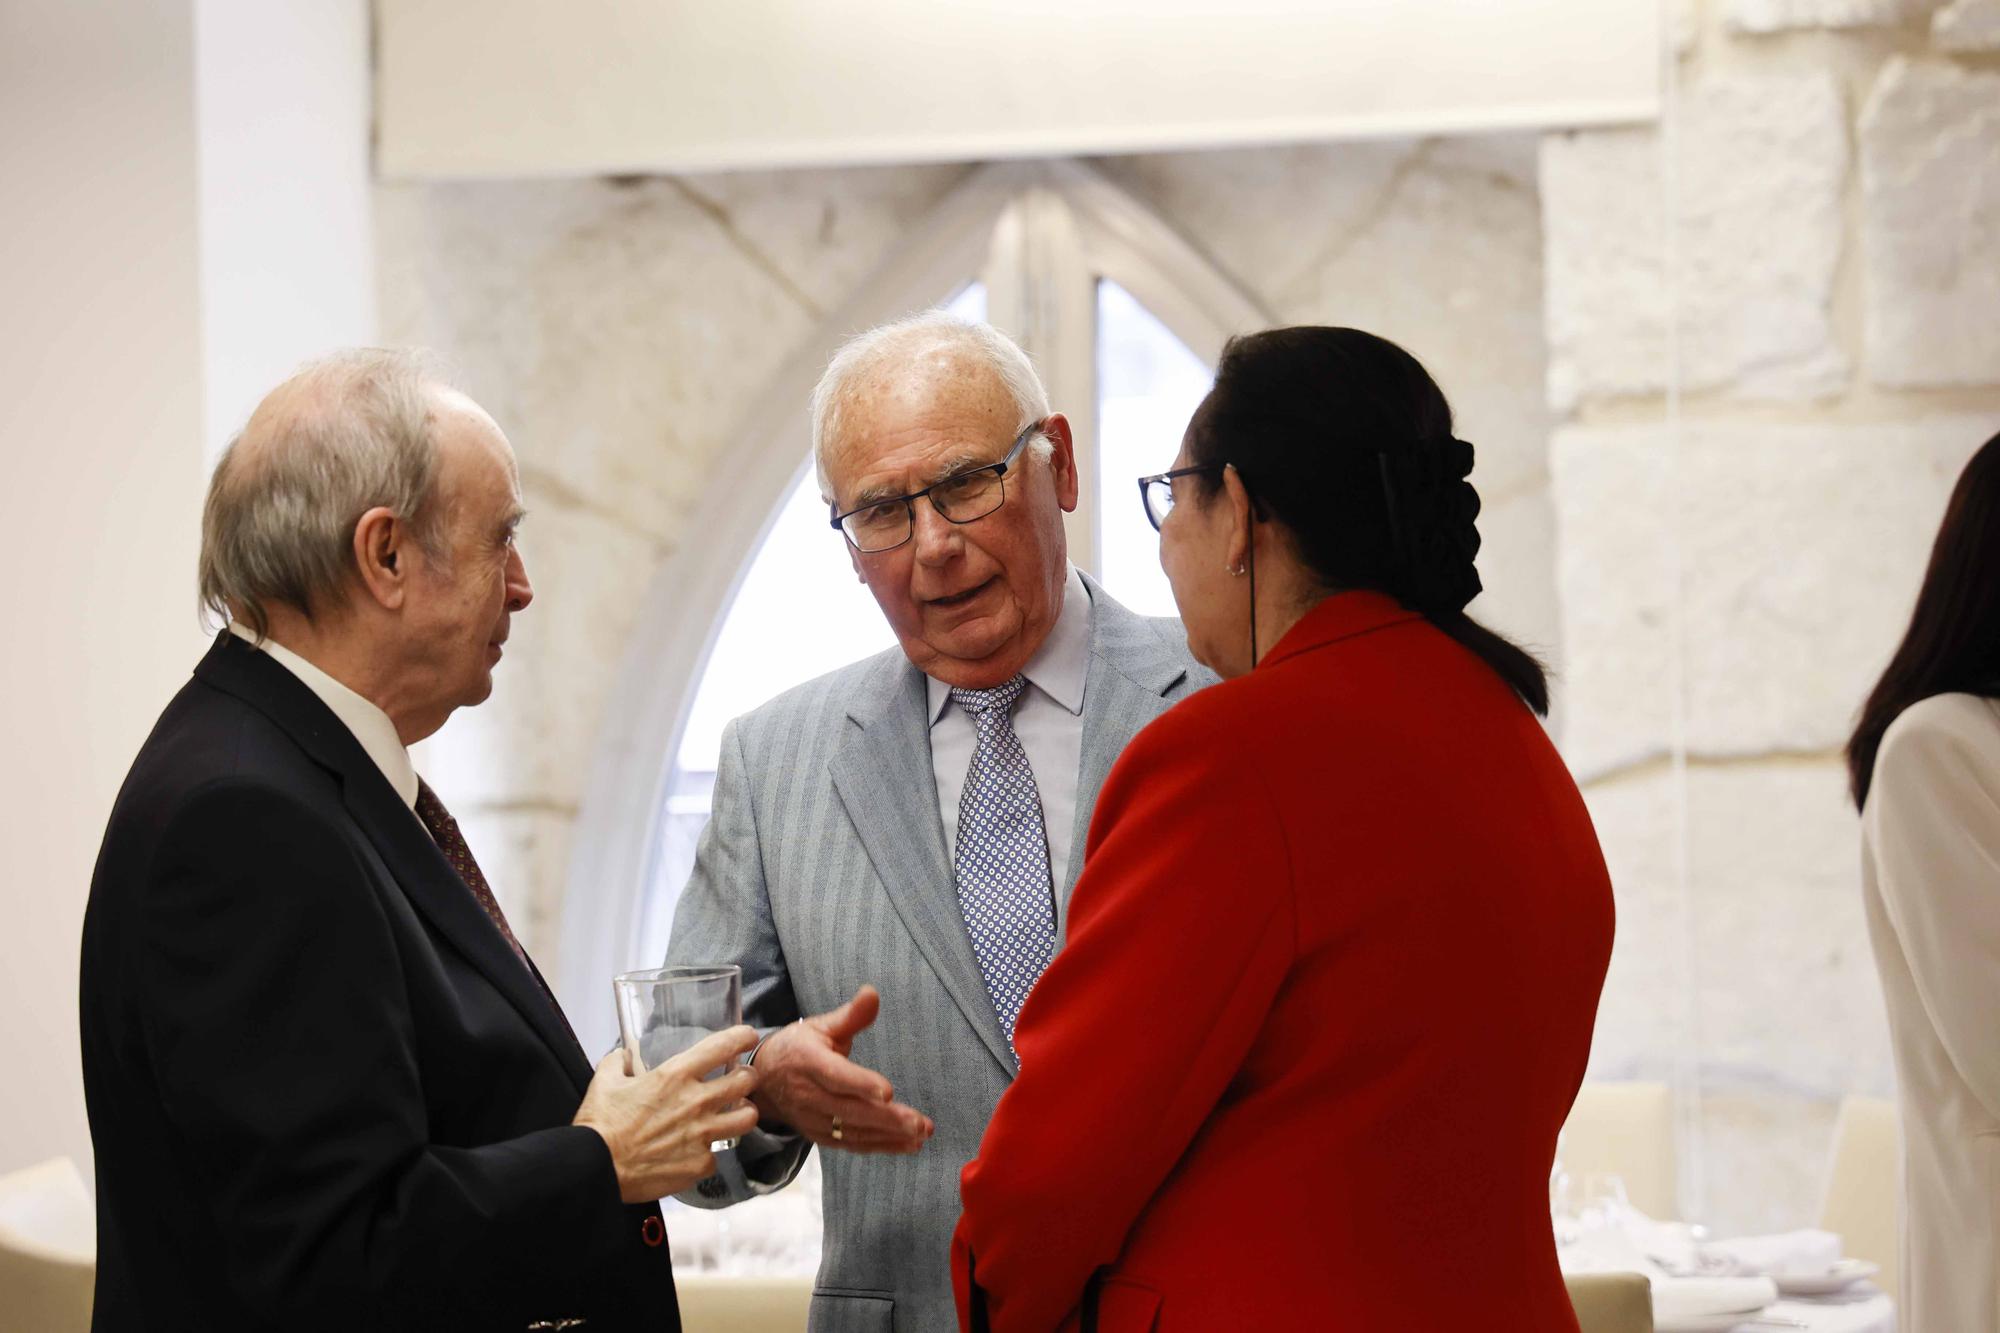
<point>659,1124</point>
<point>806,1081</point>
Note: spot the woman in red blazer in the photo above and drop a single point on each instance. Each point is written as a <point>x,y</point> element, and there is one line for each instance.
<point>1334,959</point>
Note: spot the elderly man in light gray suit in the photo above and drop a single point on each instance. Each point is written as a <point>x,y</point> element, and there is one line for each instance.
<point>893,844</point>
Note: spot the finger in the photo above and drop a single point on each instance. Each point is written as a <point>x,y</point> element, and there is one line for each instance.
<point>615,1064</point>
<point>733,1087</point>
<point>711,1052</point>
<point>872,1142</point>
<point>733,1123</point>
<point>850,1019</point>
<point>872,1118</point>
<point>838,1076</point>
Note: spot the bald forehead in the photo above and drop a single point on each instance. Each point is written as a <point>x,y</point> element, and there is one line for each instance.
<point>939,388</point>
<point>457,414</point>
<point>467,438</point>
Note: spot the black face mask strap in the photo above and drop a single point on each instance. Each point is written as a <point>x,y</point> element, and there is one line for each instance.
<point>1256,517</point>
<point>1253,596</point>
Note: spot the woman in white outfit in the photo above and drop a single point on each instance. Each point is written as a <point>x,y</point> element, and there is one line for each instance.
<point>1925,763</point>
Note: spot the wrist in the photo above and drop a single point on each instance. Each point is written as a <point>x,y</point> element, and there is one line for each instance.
<point>762,1041</point>
<point>618,1173</point>
<point>768,1118</point>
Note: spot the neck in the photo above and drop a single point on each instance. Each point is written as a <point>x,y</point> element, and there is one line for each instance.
<point>1285,592</point>
<point>340,646</point>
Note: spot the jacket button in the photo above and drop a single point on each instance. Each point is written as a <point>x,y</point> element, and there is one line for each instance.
<point>653,1231</point>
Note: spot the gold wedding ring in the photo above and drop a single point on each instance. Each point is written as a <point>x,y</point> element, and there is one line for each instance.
<point>836,1129</point>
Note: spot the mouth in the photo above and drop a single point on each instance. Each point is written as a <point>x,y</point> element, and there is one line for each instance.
<point>959,599</point>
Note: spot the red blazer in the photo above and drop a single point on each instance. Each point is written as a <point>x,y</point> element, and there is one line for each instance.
<point>1328,991</point>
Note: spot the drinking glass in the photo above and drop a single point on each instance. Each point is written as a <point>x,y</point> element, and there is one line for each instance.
<point>662,1011</point>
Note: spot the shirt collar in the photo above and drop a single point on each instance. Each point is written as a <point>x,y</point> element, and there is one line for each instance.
<point>1059,666</point>
<point>369,724</point>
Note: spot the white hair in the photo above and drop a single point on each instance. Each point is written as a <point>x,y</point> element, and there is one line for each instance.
<point>904,339</point>
<point>348,433</point>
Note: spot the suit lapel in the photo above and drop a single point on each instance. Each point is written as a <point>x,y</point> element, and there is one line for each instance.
<point>437,892</point>
<point>1131,672</point>
<point>884,778</point>
<point>411,858</point>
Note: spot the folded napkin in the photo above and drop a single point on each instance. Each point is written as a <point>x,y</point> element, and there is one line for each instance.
<point>1687,1297</point>
<point>1807,1251</point>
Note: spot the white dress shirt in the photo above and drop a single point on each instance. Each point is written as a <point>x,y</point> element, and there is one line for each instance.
<point>1930,875</point>
<point>1048,718</point>
<point>369,724</point>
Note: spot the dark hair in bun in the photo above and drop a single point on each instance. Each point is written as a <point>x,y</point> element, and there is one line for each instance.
<point>1346,439</point>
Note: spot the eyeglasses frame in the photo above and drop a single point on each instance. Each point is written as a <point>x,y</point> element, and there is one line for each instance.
<point>1167,479</point>
<point>999,470</point>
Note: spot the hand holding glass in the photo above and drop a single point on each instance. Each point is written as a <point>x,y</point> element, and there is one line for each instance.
<point>665,1010</point>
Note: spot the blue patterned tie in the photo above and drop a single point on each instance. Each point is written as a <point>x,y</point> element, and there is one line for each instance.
<point>1003,855</point>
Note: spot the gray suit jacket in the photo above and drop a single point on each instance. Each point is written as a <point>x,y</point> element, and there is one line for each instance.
<point>823,867</point>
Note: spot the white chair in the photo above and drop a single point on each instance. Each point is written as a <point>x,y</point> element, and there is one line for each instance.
<point>712,1304</point>
<point>1611,1302</point>
<point>1861,1189</point>
<point>48,1250</point>
<point>1626,1130</point>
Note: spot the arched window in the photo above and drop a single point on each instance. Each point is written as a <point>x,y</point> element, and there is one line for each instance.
<point>1124,320</point>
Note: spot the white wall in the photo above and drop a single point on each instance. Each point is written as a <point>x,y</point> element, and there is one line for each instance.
<point>100,427</point>
<point>187,218</point>
<point>287,254</point>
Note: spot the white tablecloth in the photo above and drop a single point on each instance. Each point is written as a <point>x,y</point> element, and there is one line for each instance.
<point>1861,1309</point>
<point>1624,1240</point>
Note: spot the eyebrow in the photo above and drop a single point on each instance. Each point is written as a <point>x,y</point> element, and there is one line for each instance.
<point>957,463</point>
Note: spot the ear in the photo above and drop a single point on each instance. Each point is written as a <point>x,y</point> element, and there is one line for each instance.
<point>1242,520</point>
<point>1062,460</point>
<point>382,556</point>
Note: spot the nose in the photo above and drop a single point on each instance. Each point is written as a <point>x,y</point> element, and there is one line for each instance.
<point>936,538</point>
<point>519,591</point>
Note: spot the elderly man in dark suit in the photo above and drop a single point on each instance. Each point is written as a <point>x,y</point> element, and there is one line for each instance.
<point>893,844</point>
<point>327,1087</point>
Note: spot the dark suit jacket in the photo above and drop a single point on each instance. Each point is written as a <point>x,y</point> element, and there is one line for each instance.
<point>1332,971</point>
<point>324,1094</point>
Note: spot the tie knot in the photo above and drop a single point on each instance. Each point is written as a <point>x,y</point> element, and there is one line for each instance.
<point>1001,696</point>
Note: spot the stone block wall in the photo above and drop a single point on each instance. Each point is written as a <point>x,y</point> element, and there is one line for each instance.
<point>1771,348</point>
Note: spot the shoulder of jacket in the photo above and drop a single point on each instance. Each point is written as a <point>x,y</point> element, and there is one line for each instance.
<point>834,690</point>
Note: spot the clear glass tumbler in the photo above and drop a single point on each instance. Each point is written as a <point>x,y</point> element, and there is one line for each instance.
<point>663,1011</point>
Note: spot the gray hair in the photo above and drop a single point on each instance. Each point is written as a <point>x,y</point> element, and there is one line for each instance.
<point>348,433</point>
<point>913,335</point>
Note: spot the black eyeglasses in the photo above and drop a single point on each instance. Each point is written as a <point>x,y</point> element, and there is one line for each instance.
<point>883,525</point>
<point>1156,493</point>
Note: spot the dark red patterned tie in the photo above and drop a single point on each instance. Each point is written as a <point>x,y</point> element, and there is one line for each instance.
<point>444,831</point>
